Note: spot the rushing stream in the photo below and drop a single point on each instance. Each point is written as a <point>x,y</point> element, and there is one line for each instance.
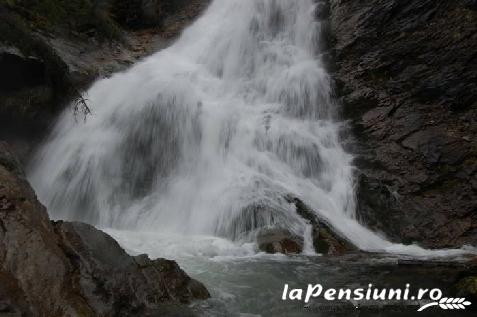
<point>179,149</point>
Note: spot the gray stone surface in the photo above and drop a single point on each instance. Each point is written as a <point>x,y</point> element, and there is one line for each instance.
<point>406,72</point>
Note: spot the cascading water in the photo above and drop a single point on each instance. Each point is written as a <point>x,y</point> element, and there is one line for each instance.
<point>207,136</point>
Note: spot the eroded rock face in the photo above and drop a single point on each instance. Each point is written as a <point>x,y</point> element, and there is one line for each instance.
<point>72,269</point>
<point>406,72</point>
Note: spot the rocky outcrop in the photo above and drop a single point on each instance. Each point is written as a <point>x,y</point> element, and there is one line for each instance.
<point>326,240</point>
<point>406,72</point>
<point>72,269</point>
<point>279,241</point>
<point>270,225</point>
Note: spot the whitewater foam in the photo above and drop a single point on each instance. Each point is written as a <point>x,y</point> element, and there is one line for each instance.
<point>206,137</point>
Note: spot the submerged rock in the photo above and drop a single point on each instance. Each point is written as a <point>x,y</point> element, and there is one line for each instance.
<point>277,240</point>
<point>72,269</point>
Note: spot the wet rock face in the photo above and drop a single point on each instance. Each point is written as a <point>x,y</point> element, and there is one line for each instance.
<point>325,240</point>
<point>406,73</point>
<point>267,224</point>
<point>72,269</point>
<point>279,241</point>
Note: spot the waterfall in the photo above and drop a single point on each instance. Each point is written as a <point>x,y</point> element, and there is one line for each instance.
<point>207,136</point>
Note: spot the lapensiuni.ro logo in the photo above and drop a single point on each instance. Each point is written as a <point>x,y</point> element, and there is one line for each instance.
<point>428,297</point>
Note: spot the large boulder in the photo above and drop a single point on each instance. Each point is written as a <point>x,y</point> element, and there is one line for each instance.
<point>72,269</point>
<point>122,281</point>
<point>326,240</point>
<point>268,223</point>
<point>277,240</point>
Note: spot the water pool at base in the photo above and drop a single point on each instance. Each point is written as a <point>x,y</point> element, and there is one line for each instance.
<point>247,284</point>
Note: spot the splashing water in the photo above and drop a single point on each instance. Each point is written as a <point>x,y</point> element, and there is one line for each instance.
<point>208,136</point>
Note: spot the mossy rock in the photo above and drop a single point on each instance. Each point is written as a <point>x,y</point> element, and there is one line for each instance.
<point>467,287</point>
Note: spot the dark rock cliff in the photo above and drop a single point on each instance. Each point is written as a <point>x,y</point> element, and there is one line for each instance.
<point>72,269</point>
<point>406,72</point>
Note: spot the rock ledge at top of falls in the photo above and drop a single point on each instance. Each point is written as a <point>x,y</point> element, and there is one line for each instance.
<point>406,73</point>
<point>58,269</point>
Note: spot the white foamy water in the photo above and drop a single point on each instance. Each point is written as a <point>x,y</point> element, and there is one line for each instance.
<point>205,138</point>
